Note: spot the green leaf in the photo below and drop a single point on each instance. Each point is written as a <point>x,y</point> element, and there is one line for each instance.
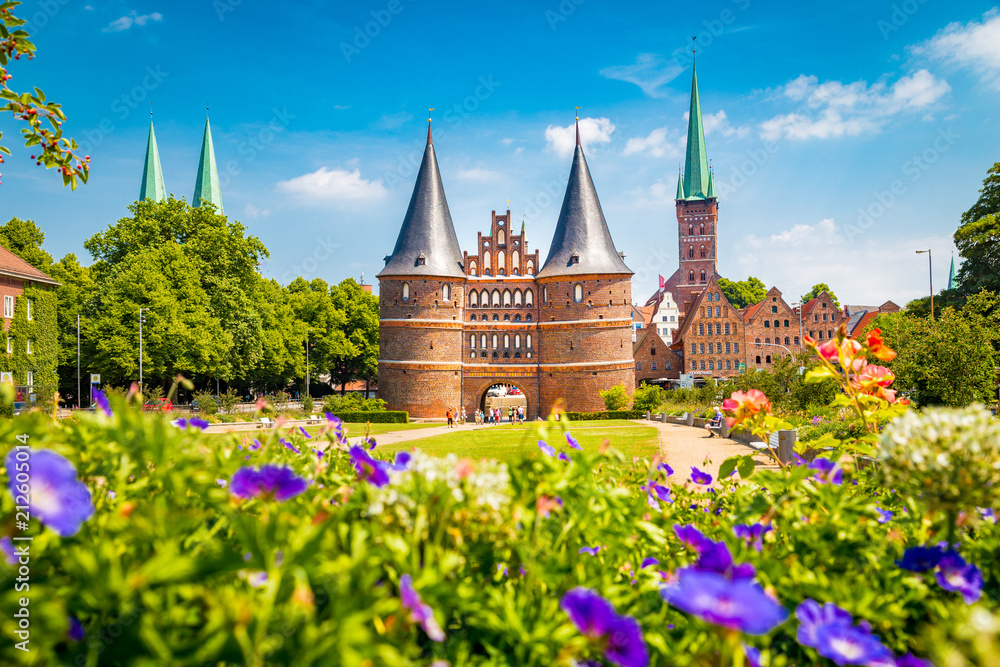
<point>746,466</point>
<point>818,374</point>
<point>728,466</point>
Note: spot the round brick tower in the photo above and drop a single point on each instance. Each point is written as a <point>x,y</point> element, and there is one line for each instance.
<point>585,316</point>
<point>421,297</point>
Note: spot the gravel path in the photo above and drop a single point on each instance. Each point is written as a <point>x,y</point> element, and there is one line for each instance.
<point>684,447</point>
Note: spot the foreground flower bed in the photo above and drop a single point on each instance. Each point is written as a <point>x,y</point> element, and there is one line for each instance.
<point>155,544</point>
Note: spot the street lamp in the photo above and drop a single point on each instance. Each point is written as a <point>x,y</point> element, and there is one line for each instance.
<point>142,320</point>
<point>930,274</point>
<point>308,345</point>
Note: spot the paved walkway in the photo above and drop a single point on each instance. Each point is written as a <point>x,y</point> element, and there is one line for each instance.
<point>685,446</point>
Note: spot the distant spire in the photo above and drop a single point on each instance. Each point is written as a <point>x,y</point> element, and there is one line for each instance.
<point>680,184</point>
<point>578,126</point>
<point>696,175</point>
<point>522,224</point>
<point>711,184</point>
<point>206,184</point>
<point>430,139</point>
<point>152,175</point>
<point>951,274</point>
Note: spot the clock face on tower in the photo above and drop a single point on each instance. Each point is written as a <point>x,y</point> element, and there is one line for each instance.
<point>499,223</point>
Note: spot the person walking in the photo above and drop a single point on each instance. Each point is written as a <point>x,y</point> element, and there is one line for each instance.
<point>451,419</point>
<point>465,417</point>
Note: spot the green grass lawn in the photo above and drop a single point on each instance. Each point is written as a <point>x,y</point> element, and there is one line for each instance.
<point>508,440</point>
<point>353,430</point>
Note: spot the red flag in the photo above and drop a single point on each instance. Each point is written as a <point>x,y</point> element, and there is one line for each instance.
<point>663,283</point>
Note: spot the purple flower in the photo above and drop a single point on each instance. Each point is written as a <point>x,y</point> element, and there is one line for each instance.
<point>222,482</point>
<point>737,604</point>
<point>370,470</point>
<point>97,397</point>
<point>76,632</point>
<point>752,533</point>
<point>180,423</point>
<point>920,559</point>
<point>988,513</point>
<point>798,460</point>
<point>572,442</point>
<point>563,456</point>
<point>954,574</point>
<point>593,551</point>
<point>8,550</point>
<point>256,444</point>
<point>827,471</point>
<point>54,494</point>
<point>715,557</point>
<point>369,442</point>
<point>268,481</point>
<point>290,446</point>
<point>594,617</point>
<point>337,425</point>
<point>304,432</point>
<point>665,469</point>
<point>753,656</point>
<point>691,536</point>
<point>420,611</point>
<point>646,562</point>
<point>546,448</point>
<point>501,568</point>
<point>884,516</point>
<point>832,632</point>
<point>910,660</point>
<point>318,453</point>
<point>402,461</point>
<point>199,423</point>
<point>699,477</point>
<point>816,420</point>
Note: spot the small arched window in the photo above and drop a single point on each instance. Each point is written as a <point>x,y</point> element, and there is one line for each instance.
<point>529,298</point>
<point>767,324</point>
<point>517,317</point>
<point>530,267</point>
<point>527,340</point>
<point>691,252</point>
<point>496,298</point>
<point>472,340</point>
<point>515,261</point>
<point>517,340</point>
<point>758,342</point>
<point>701,230</point>
<point>796,340</point>
<point>487,264</point>
<point>578,293</point>
<point>406,291</point>
<point>501,239</point>
<point>483,340</point>
<point>473,299</point>
<point>506,340</point>
<point>484,299</point>
<point>701,251</point>
<point>501,263</point>
<point>690,277</point>
<point>702,277</point>
<point>767,359</point>
<point>758,359</point>
<point>718,311</point>
<point>786,340</point>
<point>472,268</point>
<point>446,292</point>
<point>506,298</point>
<point>777,324</point>
<point>496,339</point>
<point>506,317</point>
<point>517,298</point>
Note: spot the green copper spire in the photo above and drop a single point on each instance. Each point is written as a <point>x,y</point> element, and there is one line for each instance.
<point>696,176</point>
<point>951,274</point>
<point>711,185</point>
<point>152,176</point>
<point>206,185</point>
<point>680,184</point>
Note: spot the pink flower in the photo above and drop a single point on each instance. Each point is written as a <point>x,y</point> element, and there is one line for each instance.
<point>744,405</point>
<point>829,350</point>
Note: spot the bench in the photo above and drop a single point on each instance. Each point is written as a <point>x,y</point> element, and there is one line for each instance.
<point>265,422</point>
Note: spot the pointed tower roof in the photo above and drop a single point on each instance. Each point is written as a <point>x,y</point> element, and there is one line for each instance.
<point>152,186</point>
<point>951,274</point>
<point>582,242</point>
<point>711,185</point>
<point>206,184</point>
<point>696,174</point>
<point>428,233</point>
<point>680,185</point>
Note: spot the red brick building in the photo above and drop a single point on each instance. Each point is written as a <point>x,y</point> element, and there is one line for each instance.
<point>711,339</point>
<point>820,317</point>
<point>453,324</point>
<point>29,323</point>
<point>772,330</point>
<point>654,360</point>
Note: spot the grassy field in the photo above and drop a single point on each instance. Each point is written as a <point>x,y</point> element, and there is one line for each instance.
<point>353,430</point>
<point>504,441</point>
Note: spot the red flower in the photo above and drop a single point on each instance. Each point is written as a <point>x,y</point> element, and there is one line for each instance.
<point>877,348</point>
<point>743,406</point>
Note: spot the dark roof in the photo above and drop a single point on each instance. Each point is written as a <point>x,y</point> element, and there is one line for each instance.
<point>427,229</point>
<point>582,230</point>
<point>12,265</point>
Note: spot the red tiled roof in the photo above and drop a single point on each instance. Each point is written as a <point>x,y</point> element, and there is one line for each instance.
<point>806,309</point>
<point>751,311</point>
<point>12,265</point>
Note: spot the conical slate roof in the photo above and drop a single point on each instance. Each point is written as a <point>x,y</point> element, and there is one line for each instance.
<point>152,186</point>
<point>582,242</point>
<point>206,184</point>
<point>428,233</point>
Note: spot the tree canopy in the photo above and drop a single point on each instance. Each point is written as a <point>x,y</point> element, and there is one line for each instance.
<point>978,239</point>
<point>742,293</point>
<point>818,289</point>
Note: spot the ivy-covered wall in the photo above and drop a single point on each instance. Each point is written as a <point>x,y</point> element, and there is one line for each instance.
<point>41,329</point>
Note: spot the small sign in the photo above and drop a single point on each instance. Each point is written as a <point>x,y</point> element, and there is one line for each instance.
<point>95,378</point>
<point>743,366</point>
<point>7,376</point>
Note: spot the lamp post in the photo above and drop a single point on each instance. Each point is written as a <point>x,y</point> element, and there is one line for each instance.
<point>930,275</point>
<point>79,398</point>
<point>308,331</point>
<point>798,306</point>
<point>142,320</point>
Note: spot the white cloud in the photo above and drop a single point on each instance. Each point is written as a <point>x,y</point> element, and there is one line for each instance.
<point>657,196</point>
<point>391,121</point>
<point>975,44</point>
<point>252,211</point>
<point>834,109</point>
<point>131,19</point>
<point>477,174</point>
<point>661,142</point>
<point>650,72</point>
<point>822,252</point>
<point>334,184</point>
<point>592,131</point>
<point>718,123</point>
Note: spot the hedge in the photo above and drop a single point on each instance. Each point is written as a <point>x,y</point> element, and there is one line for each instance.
<point>605,414</point>
<point>375,416</point>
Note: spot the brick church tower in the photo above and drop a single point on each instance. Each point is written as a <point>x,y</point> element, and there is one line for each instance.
<point>697,212</point>
<point>421,297</point>
<point>585,314</point>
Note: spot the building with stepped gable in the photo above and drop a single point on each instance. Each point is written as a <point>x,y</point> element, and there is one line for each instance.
<point>454,324</point>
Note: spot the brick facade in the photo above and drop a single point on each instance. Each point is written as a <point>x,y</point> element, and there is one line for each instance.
<point>820,318</point>
<point>770,323</point>
<point>697,227</point>
<point>654,360</point>
<point>711,338</point>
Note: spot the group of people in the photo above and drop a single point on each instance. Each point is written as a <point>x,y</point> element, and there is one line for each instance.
<point>454,415</point>
<point>496,415</point>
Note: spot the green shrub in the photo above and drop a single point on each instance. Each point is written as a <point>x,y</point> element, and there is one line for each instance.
<point>207,404</point>
<point>605,414</point>
<point>307,403</point>
<point>615,398</point>
<point>647,397</point>
<point>375,416</point>
<point>228,399</point>
<point>352,401</point>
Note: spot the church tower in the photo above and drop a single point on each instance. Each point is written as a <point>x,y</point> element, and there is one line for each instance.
<point>585,315</point>
<point>697,211</point>
<point>421,297</point>
<point>152,186</point>
<point>206,184</point>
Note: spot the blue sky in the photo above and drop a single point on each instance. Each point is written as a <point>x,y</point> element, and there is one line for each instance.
<point>843,137</point>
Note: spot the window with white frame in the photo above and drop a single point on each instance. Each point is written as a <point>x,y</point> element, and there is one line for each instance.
<point>28,304</point>
<point>29,379</point>
<point>10,345</point>
<point>29,348</point>
<point>8,306</point>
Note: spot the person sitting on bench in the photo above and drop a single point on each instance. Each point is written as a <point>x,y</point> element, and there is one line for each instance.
<point>715,423</point>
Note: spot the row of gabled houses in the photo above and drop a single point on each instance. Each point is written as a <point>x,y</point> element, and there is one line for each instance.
<point>714,339</point>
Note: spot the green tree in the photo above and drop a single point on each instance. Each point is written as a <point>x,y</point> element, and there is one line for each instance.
<point>322,324</point>
<point>44,119</point>
<point>25,239</point>
<point>615,398</point>
<point>742,293</point>
<point>978,239</point>
<point>361,317</point>
<point>947,361</point>
<point>648,397</point>
<point>818,289</point>
<point>75,289</point>
<point>282,359</point>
